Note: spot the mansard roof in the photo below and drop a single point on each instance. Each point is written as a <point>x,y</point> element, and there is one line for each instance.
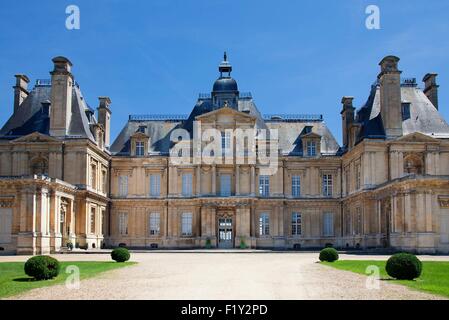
<point>424,117</point>
<point>291,128</point>
<point>31,117</point>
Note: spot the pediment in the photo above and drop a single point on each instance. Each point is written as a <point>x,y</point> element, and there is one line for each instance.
<point>139,135</point>
<point>417,137</point>
<point>35,137</point>
<point>225,111</point>
<point>311,135</point>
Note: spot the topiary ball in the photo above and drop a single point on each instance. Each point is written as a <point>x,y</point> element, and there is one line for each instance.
<point>42,267</point>
<point>120,254</point>
<point>404,266</point>
<point>329,255</point>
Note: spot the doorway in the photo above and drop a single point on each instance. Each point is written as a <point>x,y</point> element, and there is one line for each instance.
<point>225,235</point>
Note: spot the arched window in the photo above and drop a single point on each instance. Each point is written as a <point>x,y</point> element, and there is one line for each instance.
<point>413,164</point>
<point>39,166</point>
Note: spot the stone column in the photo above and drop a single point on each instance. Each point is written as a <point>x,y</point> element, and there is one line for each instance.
<point>428,213</point>
<point>407,213</point>
<point>214,180</point>
<point>253,180</point>
<point>198,180</point>
<point>237,180</point>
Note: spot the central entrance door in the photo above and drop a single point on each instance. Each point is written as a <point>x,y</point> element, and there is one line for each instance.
<point>225,233</point>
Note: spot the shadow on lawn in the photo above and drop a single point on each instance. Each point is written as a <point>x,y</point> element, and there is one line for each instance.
<point>24,280</point>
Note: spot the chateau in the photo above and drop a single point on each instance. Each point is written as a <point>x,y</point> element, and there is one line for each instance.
<point>63,180</point>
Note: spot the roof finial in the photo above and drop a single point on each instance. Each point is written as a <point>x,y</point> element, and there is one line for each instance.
<point>225,56</point>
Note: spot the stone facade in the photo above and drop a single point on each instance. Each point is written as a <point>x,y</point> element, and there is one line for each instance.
<point>61,181</point>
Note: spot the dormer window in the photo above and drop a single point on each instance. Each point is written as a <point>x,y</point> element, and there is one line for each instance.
<point>405,110</point>
<point>311,148</point>
<point>142,129</point>
<point>140,148</point>
<point>139,144</point>
<point>311,143</point>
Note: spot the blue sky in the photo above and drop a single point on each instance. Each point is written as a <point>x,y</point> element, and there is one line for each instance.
<point>156,56</point>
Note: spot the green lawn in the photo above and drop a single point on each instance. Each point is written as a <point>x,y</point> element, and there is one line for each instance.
<point>434,278</point>
<point>13,279</point>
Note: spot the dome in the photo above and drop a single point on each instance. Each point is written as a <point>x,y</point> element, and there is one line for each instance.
<point>225,84</point>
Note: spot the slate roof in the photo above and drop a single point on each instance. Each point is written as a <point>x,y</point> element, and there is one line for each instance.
<point>30,116</point>
<point>289,131</point>
<point>424,117</point>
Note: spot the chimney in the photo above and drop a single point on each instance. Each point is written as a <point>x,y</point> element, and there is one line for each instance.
<point>61,97</point>
<point>104,118</point>
<point>431,88</point>
<point>390,96</point>
<point>347,118</point>
<point>20,90</point>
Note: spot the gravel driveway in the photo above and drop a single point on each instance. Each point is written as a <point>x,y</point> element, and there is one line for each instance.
<point>220,275</point>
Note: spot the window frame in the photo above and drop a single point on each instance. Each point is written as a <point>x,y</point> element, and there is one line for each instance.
<point>264,224</point>
<point>155,185</point>
<point>296,224</point>
<point>328,224</point>
<point>154,224</point>
<point>264,185</point>
<point>296,185</point>
<point>327,185</point>
<point>187,224</point>
<point>311,148</point>
<point>123,185</point>
<point>187,184</point>
<point>228,190</point>
<point>123,223</point>
<point>140,148</point>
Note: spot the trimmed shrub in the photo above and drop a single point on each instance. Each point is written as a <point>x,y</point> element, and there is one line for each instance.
<point>42,267</point>
<point>329,255</point>
<point>208,243</point>
<point>120,254</point>
<point>404,266</point>
<point>242,244</point>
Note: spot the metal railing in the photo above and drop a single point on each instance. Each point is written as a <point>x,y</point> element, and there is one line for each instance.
<point>47,83</point>
<point>158,117</point>
<point>293,117</point>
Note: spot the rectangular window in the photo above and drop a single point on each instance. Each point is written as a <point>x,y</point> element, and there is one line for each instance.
<point>5,225</point>
<point>357,176</point>
<point>405,110</point>
<point>187,184</point>
<point>226,143</point>
<point>264,186</point>
<point>93,176</point>
<point>347,180</point>
<point>123,186</point>
<point>264,224</point>
<point>225,185</point>
<point>296,186</point>
<point>155,185</point>
<point>140,148</point>
<point>328,224</point>
<point>123,223</point>
<point>311,148</point>
<point>103,222</point>
<point>296,224</point>
<point>348,223</point>
<point>358,221</point>
<point>155,223</point>
<point>104,181</point>
<point>92,220</point>
<point>327,185</point>
<point>186,224</point>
